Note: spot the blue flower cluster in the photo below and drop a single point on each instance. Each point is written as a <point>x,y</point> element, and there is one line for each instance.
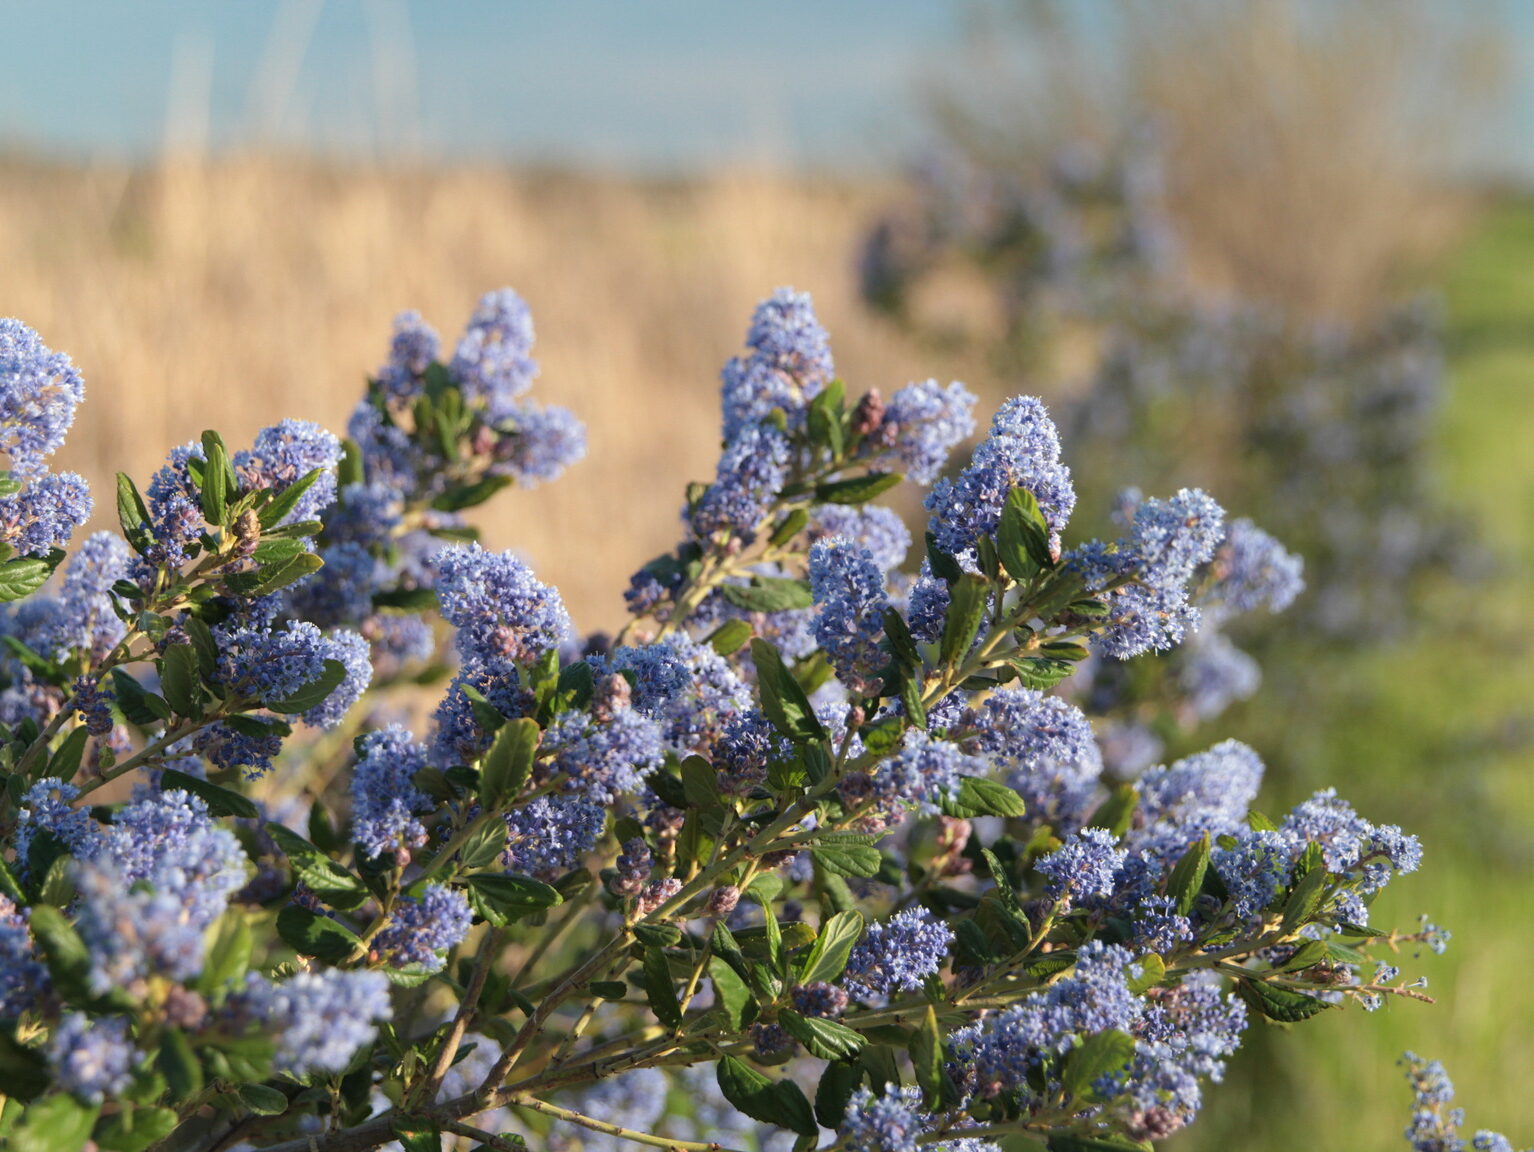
<point>386,804</point>
<point>1022,450</point>
<point>848,587</point>
<point>923,423</point>
<point>502,613</point>
<point>919,776</point>
<point>318,1019</point>
<point>1434,1124</point>
<point>789,363</point>
<point>601,761</point>
<point>420,930</point>
<point>1045,747</point>
<point>548,835</point>
<point>898,954</point>
<point>39,391</point>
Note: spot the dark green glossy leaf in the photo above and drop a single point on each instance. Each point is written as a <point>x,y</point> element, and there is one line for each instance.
<point>783,700</point>
<point>982,796</point>
<point>968,598</point>
<point>823,1039</point>
<point>768,594</point>
<point>508,764</point>
<point>828,957</point>
<point>57,1123</point>
<point>505,897</point>
<point>134,1129</point>
<point>858,490</point>
<point>780,1103</point>
<point>326,878</point>
<point>180,673</point>
<point>1187,877</point>
<point>309,934</point>
<point>659,990</point>
<point>730,637</point>
<point>22,577</point>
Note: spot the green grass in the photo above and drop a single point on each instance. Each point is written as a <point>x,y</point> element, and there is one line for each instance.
<point>1437,734</point>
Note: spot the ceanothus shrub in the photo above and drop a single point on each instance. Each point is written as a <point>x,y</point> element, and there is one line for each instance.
<point>811,852</point>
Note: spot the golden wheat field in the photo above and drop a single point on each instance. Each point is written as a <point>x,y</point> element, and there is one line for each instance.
<point>235,293</point>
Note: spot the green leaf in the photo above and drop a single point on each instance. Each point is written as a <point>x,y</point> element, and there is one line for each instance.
<point>63,951</point>
<point>848,859</point>
<point>132,514</point>
<point>1152,972</point>
<point>902,644</point>
<point>828,957</point>
<point>700,783</point>
<point>730,992</point>
<point>858,490</point>
<point>218,480</point>
<point>226,958</point>
<point>179,680</point>
<point>789,527</point>
<point>982,796</point>
<point>484,846</point>
<point>768,594</point>
<point>659,990</point>
<point>837,1084</point>
<point>22,577</point>
<point>65,761</point>
<point>1100,1054</point>
<point>331,881</point>
<point>1040,673</point>
<point>417,1134</point>
<point>910,696</point>
<point>278,508</point>
<point>657,935</point>
<point>54,1124</point>
<point>783,700</point>
<point>263,1100</point>
<point>137,703</point>
<point>1022,540</point>
<point>780,1103</point>
<point>1305,899</point>
<point>1187,877</point>
<point>202,640</point>
<point>183,1072</point>
<point>24,1071</point>
<point>608,989</point>
<point>407,599</point>
<point>1279,1003</point>
<point>968,597</point>
<point>824,418</point>
<point>730,637</point>
<point>310,934</point>
<point>470,495</point>
<point>926,1049</point>
<point>134,1129</point>
<point>505,897</point>
<point>508,764</point>
<point>313,694</point>
<point>1117,812</point>
<point>943,565</point>
<point>275,576</point>
<point>273,550</point>
<point>823,1039</point>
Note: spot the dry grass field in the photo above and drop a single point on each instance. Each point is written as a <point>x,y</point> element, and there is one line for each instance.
<point>234,293</point>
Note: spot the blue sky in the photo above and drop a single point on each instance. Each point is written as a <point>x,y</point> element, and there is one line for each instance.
<point>656,83</point>
<point>652,84</point>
